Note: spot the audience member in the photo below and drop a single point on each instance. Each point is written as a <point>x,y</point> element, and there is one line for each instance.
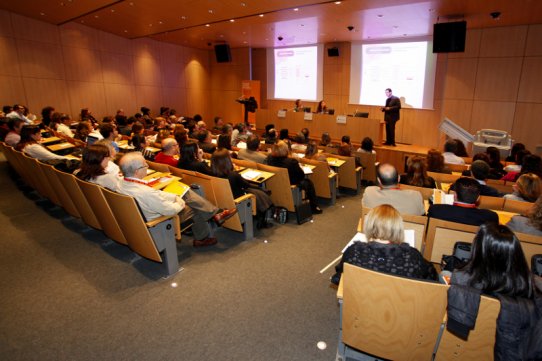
<point>461,150</point>
<point>64,126</point>
<point>326,140</point>
<point>480,171</point>
<point>14,136</point>
<point>515,148</point>
<point>406,201</point>
<point>385,250</point>
<point>82,130</point>
<point>222,166</point>
<point>322,108</point>
<point>271,137</point>
<point>18,112</point>
<point>435,162</point>
<point>497,168</point>
<point>138,140</point>
<point>416,174</point>
<point>464,210</point>
<point>367,146</point>
<point>170,150</point>
<point>279,158</point>
<point>192,158</point>
<point>219,123</point>
<point>95,161</point>
<point>30,144</point>
<point>154,203</point>
<point>252,151</point>
<point>531,223</point>
<point>312,153</point>
<point>46,115</point>
<point>450,147</point>
<point>205,141</point>
<point>527,188</point>
<point>86,116</point>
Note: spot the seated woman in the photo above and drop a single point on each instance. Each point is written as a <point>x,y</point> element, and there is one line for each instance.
<point>312,152</point>
<point>30,144</point>
<point>222,166</point>
<point>435,162</point>
<point>326,140</point>
<point>82,131</point>
<point>497,168</point>
<point>367,146</point>
<point>94,163</point>
<point>416,174</point>
<point>192,158</point>
<point>224,142</point>
<point>531,223</point>
<point>385,250</point>
<point>279,158</point>
<point>497,268</point>
<point>322,107</point>
<point>138,140</point>
<point>527,188</point>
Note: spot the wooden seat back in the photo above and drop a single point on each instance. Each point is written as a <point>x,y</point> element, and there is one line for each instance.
<point>159,167</point>
<point>530,244</point>
<point>132,224</point>
<point>426,193</point>
<point>458,168</point>
<point>279,185</point>
<point>349,174</point>
<point>443,178</point>
<point>391,317</point>
<point>442,235</point>
<point>103,213</point>
<point>520,207</point>
<point>368,162</point>
<point>63,195</point>
<point>79,199</point>
<point>495,203</point>
<point>44,184</point>
<point>324,181</point>
<point>481,341</point>
<point>245,163</point>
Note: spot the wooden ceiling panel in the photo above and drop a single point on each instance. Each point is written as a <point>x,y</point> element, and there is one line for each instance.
<point>315,21</point>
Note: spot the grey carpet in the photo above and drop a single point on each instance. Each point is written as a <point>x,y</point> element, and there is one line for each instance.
<point>69,293</point>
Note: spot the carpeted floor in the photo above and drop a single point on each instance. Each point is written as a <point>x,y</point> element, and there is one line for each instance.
<point>69,293</point>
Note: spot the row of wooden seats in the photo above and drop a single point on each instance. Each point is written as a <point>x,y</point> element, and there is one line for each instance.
<point>442,179</point>
<point>117,215</point>
<point>436,237</point>
<point>397,318</point>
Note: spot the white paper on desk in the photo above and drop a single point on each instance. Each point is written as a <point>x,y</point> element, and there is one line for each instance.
<point>439,197</point>
<point>360,237</point>
<point>241,145</point>
<point>251,174</point>
<point>307,170</point>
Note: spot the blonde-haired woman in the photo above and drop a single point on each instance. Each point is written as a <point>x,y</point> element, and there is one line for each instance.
<point>527,188</point>
<point>385,250</point>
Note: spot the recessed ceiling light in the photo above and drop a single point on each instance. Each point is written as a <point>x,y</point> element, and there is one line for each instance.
<point>243,4</point>
<point>380,15</point>
<point>150,24</point>
<point>131,3</point>
<point>221,35</point>
<point>296,9</point>
<point>62,4</point>
<point>232,20</point>
<point>96,16</point>
<point>125,31</point>
<point>42,14</point>
<point>244,33</point>
<point>210,11</point>
<point>82,21</point>
<point>301,25</point>
<point>112,10</point>
<point>261,15</point>
<point>337,2</point>
<point>160,22</point>
<point>207,25</point>
<point>183,17</point>
<point>245,42</point>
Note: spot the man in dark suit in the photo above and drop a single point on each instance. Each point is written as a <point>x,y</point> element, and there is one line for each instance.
<point>391,116</point>
<point>467,192</point>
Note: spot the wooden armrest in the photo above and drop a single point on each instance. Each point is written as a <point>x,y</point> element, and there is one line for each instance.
<point>245,198</point>
<point>340,289</point>
<point>358,169</point>
<point>332,175</point>
<point>176,224</point>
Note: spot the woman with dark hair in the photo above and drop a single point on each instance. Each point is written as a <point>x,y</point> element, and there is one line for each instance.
<point>82,131</point>
<point>326,140</point>
<point>416,174</point>
<point>322,108</point>
<point>192,158</point>
<point>312,152</point>
<point>531,223</point>
<point>95,161</point>
<point>86,116</point>
<point>435,162</point>
<point>30,144</point>
<point>496,167</point>
<point>279,158</point>
<point>532,163</point>
<point>180,134</point>
<point>138,140</point>
<point>515,149</point>
<point>367,146</point>
<point>46,115</point>
<point>222,166</point>
<point>224,142</point>
<point>461,150</point>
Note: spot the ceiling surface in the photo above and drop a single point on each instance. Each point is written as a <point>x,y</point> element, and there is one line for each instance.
<point>261,23</point>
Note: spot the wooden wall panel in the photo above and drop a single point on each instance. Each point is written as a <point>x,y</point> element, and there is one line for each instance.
<point>460,78</point>
<point>40,60</point>
<point>79,36</point>
<point>145,48</point>
<point>147,71</point>
<point>525,128</point>
<point>530,87</point>
<point>197,76</point>
<point>120,96</point>
<point>5,24</point>
<point>82,64</point>
<point>114,44</point>
<point>492,115</point>
<point>150,97</point>
<point>533,45</point>
<point>117,68</point>
<point>47,92</point>
<point>12,90</point>
<point>84,94</point>
<point>259,72</point>
<point>458,111</point>
<point>175,98</point>
<point>172,73</point>
<point>171,52</point>
<point>498,79</point>
<point>37,31</point>
<point>503,41</point>
<point>9,64</point>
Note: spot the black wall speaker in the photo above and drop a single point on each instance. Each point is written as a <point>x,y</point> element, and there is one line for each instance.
<point>332,51</point>
<point>222,53</point>
<point>449,37</point>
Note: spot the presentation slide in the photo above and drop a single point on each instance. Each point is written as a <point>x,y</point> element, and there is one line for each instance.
<point>408,68</point>
<point>296,73</point>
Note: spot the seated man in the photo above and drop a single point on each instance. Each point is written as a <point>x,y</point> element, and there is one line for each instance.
<point>464,210</point>
<point>155,203</point>
<point>252,153</point>
<point>480,171</point>
<point>406,201</point>
<point>205,141</point>
<point>450,148</point>
<point>170,149</point>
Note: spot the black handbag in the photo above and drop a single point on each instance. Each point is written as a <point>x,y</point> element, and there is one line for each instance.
<point>303,212</point>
